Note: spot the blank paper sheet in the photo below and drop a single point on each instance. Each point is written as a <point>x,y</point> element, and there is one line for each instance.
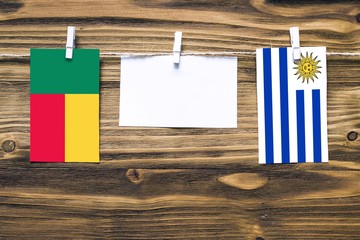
<point>200,92</point>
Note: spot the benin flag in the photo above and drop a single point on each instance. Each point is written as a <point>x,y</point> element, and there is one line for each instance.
<point>64,105</point>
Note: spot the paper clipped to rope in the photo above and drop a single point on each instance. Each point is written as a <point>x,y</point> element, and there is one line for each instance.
<point>64,105</point>
<point>292,110</point>
<point>200,92</point>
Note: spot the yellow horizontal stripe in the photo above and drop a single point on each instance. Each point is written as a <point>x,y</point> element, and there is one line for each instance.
<point>82,128</point>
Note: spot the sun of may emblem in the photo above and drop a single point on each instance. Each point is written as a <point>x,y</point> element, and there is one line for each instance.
<point>307,68</point>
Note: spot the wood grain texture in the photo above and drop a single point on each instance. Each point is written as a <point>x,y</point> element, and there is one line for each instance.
<point>166,183</point>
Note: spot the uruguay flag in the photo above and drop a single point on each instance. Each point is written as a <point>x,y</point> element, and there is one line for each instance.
<point>291,98</point>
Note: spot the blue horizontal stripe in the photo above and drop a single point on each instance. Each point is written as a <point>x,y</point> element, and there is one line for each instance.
<point>300,117</point>
<point>284,105</point>
<point>269,142</point>
<point>316,125</point>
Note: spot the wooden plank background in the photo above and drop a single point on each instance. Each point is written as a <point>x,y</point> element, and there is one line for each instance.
<point>180,183</point>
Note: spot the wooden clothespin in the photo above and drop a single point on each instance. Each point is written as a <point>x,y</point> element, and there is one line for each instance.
<point>295,43</point>
<point>177,47</point>
<point>70,42</point>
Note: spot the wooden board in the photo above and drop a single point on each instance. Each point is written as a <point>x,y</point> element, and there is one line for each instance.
<point>180,183</point>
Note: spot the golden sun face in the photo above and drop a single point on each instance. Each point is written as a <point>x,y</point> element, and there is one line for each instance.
<point>307,68</point>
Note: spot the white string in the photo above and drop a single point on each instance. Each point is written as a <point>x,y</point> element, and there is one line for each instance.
<point>14,55</point>
<point>124,54</point>
<point>128,54</point>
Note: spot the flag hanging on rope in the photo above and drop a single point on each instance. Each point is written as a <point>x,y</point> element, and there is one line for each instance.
<point>64,105</point>
<point>292,117</point>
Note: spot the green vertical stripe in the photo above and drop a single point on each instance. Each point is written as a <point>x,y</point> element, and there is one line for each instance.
<point>51,72</point>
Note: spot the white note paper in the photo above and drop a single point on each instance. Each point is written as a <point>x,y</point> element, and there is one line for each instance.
<point>200,92</point>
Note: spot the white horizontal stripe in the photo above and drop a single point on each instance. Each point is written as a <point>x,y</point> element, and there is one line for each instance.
<point>260,103</point>
<point>309,147</point>
<point>292,109</point>
<point>275,81</point>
